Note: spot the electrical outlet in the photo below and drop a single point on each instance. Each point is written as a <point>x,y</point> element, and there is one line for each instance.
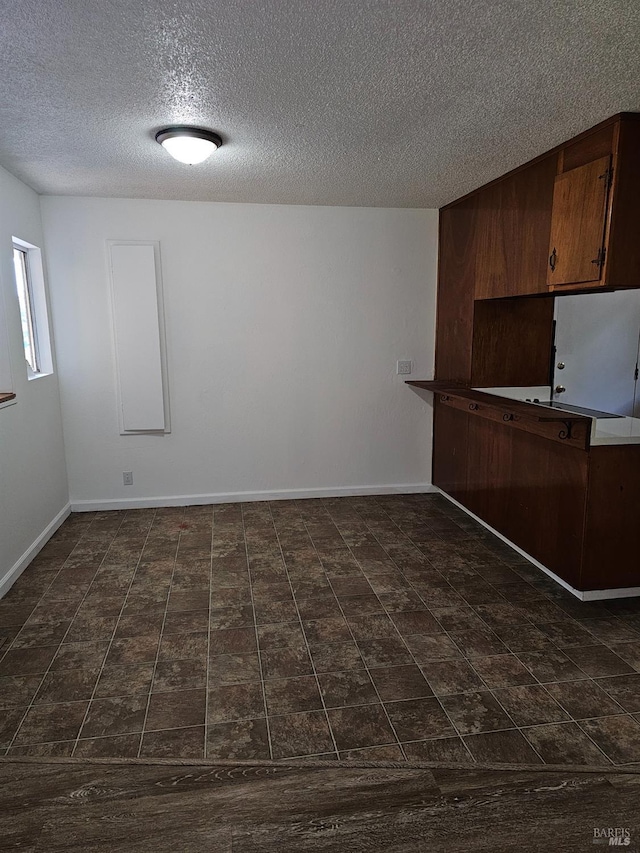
<point>127,478</point>
<point>404,368</point>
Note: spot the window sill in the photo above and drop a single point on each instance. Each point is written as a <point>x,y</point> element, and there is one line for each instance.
<point>7,399</point>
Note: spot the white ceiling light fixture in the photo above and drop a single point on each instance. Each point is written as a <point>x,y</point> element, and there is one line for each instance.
<point>189,145</point>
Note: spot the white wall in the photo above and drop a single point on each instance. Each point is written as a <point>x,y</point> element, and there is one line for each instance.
<point>284,325</point>
<point>597,338</point>
<point>33,480</point>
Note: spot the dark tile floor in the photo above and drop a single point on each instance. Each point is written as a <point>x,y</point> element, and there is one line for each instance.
<point>361,628</point>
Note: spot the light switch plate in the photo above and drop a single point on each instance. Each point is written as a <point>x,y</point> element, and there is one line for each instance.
<point>404,368</point>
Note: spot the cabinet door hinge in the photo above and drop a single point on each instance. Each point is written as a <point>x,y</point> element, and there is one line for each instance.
<point>602,253</point>
<point>635,373</point>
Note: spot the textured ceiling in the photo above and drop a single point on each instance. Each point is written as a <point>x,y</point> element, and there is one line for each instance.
<point>406,103</point>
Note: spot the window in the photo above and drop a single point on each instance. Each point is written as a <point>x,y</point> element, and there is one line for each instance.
<point>27,265</point>
<point>29,340</point>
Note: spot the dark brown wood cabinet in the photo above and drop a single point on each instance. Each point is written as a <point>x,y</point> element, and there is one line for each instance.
<point>572,507</point>
<point>456,284</point>
<point>593,243</point>
<point>566,222</point>
<point>531,489</point>
<point>576,248</point>
<point>512,229</point>
<point>612,534</point>
<point>545,503</point>
<point>451,432</point>
<point>512,342</point>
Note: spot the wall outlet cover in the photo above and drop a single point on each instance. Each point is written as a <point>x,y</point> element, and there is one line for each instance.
<point>405,367</point>
<point>127,478</point>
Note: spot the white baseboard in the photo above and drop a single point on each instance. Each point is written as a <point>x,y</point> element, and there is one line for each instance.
<point>582,595</point>
<point>242,497</point>
<point>18,567</point>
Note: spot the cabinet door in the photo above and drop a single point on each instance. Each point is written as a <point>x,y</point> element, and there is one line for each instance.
<point>578,224</point>
<point>456,269</point>
<point>514,218</point>
<point>450,428</point>
<point>547,501</point>
<point>528,488</point>
<point>489,470</point>
<point>612,541</point>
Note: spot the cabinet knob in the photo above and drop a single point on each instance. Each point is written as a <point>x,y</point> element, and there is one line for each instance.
<point>559,389</point>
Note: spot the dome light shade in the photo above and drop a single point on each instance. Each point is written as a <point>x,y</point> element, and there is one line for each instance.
<point>189,145</point>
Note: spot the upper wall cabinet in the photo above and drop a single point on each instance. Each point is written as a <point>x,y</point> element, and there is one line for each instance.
<point>512,233</point>
<point>456,277</point>
<point>576,252</point>
<point>596,201</point>
<point>567,221</point>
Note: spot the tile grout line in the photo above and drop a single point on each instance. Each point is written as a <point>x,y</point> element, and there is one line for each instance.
<point>516,655</point>
<point>469,663</point>
<point>414,659</point>
<point>164,619</point>
<point>113,633</point>
<point>619,713</point>
<point>544,685</point>
<point>572,718</point>
<point>469,660</point>
<point>365,705</point>
<point>255,629</point>
<point>567,681</point>
<point>388,613</point>
<point>31,703</point>
<point>375,526</point>
<point>366,667</point>
<point>304,634</point>
<point>465,659</point>
<point>10,645</point>
<point>548,598</point>
<point>206,685</point>
<point>55,574</point>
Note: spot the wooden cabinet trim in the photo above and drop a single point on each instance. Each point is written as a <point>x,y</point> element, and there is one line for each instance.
<point>570,430</point>
<point>622,263</point>
<point>436,385</point>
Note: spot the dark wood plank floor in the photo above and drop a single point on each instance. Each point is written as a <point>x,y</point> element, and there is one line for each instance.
<point>69,805</point>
